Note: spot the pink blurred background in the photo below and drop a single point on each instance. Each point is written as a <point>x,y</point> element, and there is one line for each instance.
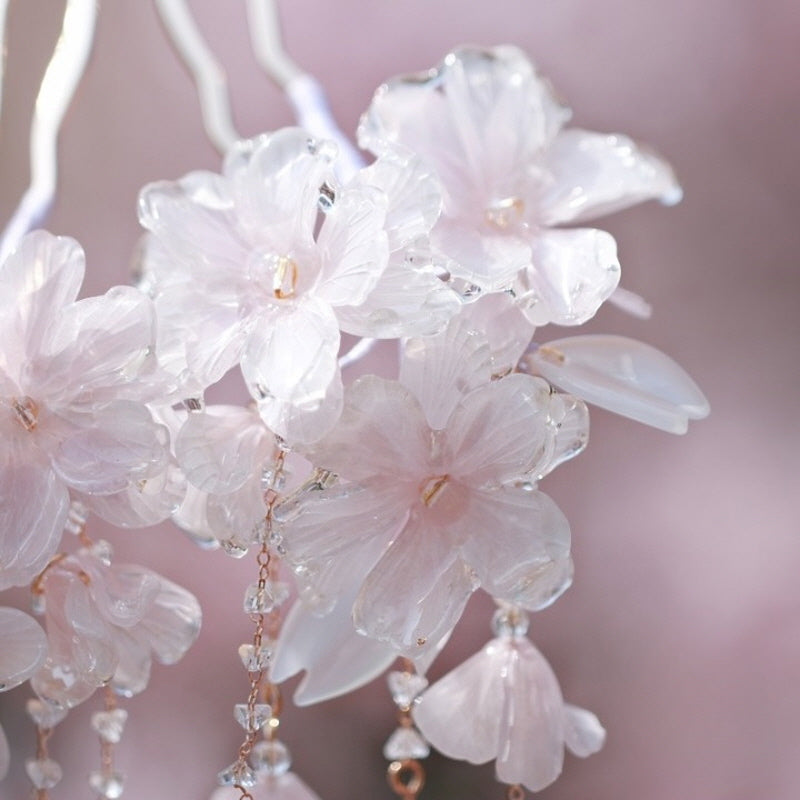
<point>682,630</point>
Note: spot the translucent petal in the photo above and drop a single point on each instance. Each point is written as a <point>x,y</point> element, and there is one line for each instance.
<point>276,182</point>
<point>596,174</point>
<point>335,658</point>
<point>490,261</point>
<point>237,516</point>
<point>147,502</point>
<point>333,536</point>
<point>413,192</point>
<point>500,431</point>
<point>219,448</point>
<point>37,280</point>
<point>409,300</point>
<point>123,594</point>
<point>353,247</point>
<point>382,432</point>
<point>624,376</point>
<point>33,510</point>
<point>172,623</point>
<point>583,733</point>
<point>290,363</point>
<point>133,662</point>
<point>411,598</point>
<point>24,647</point>
<point>459,714</point>
<point>570,417</point>
<point>195,240</point>
<point>97,349</point>
<point>441,370</point>
<point>107,450</point>
<point>573,272</point>
<point>517,541</point>
<point>505,327</point>
<point>531,742</point>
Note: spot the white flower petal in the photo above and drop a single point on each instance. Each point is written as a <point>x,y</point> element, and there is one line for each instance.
<point>335,658</point>
<point>517,541</point>
<point>411,597</point>
<point>573,273</point>
<point>219,448</point>
<point>97,349</point>
<point>37,280</point>
<point>500,431</point>
<point>624,376</point>
<point>409,300</point>
<point>382,432</point>
<point>172,623</point>
<point>460,713</point>
<point>570,417</point>
<point>531,742</point>
<point>442,369</point>
<point>33,510</point>
<point>583,733</point>
<point>596,174</point>
<point>24,648</point>
<point>353,247</point>
<point>290,363</point>
<point>106,451</point>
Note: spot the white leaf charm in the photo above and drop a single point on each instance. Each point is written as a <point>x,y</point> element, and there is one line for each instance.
<point>624,376</point>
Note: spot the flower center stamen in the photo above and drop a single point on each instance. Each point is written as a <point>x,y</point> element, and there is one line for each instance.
<point>26,410</point>
<point>433,488</point>
<point>505,213</point>
<point>284,279</point>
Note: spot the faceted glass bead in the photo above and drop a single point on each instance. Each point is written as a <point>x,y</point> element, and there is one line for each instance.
<point>270,757</point>
<point>252,719</point>
<point>44,715</point>
<point>256,659</point>
<point>108,786</point>
<point>510,621</point>
<point>259,600</point>
<point>109,724</point>
<point>76,518</point>
<point>405,687</point>
<point>44,773</point>
<point>406,743</point>
<point>237,773</point>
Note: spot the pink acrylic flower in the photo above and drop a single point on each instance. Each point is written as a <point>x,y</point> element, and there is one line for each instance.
<point>505,703</point>
<point>74,378</point>
<point>437,494</point>
<point>263,265</point>
<point>491,128</point>
<point>105,622</point>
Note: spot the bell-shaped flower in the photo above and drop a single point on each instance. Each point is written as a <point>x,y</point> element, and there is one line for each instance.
<point>263,265</point>
<point>504,703</point>
<point>436,496</point>
<point>625,376</point>
<point>74,379</point>
<point>491,128</point>
<point>104,624</point>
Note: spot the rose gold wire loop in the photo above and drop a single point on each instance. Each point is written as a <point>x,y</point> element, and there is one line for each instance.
<point>515,792</point>
<point>406,778</point>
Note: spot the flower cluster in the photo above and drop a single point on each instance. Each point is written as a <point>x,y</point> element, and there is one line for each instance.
<point>459,241</point>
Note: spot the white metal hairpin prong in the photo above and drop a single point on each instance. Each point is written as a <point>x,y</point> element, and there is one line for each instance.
<point>209,76</point>
<point>58,86</point>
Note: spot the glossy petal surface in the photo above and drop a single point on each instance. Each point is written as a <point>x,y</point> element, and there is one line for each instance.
<point>24,647</point>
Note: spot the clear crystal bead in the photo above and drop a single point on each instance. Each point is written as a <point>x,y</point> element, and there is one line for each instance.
<point>406,743</point>
<point>237,774</point>
<point>44,773</point>
<point>252,719</point>
<point>270,757</point>
<point>76,518</point>
<point>258,600</point>
<point>405,687</point>
<point>103,551</point>
<point>256,659</point>
<point>44,715</point>
<point>108,725</point>
<point>233,549</point>
<point>511,621</point>
<point>108,786</point>
<point>38,603</point>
